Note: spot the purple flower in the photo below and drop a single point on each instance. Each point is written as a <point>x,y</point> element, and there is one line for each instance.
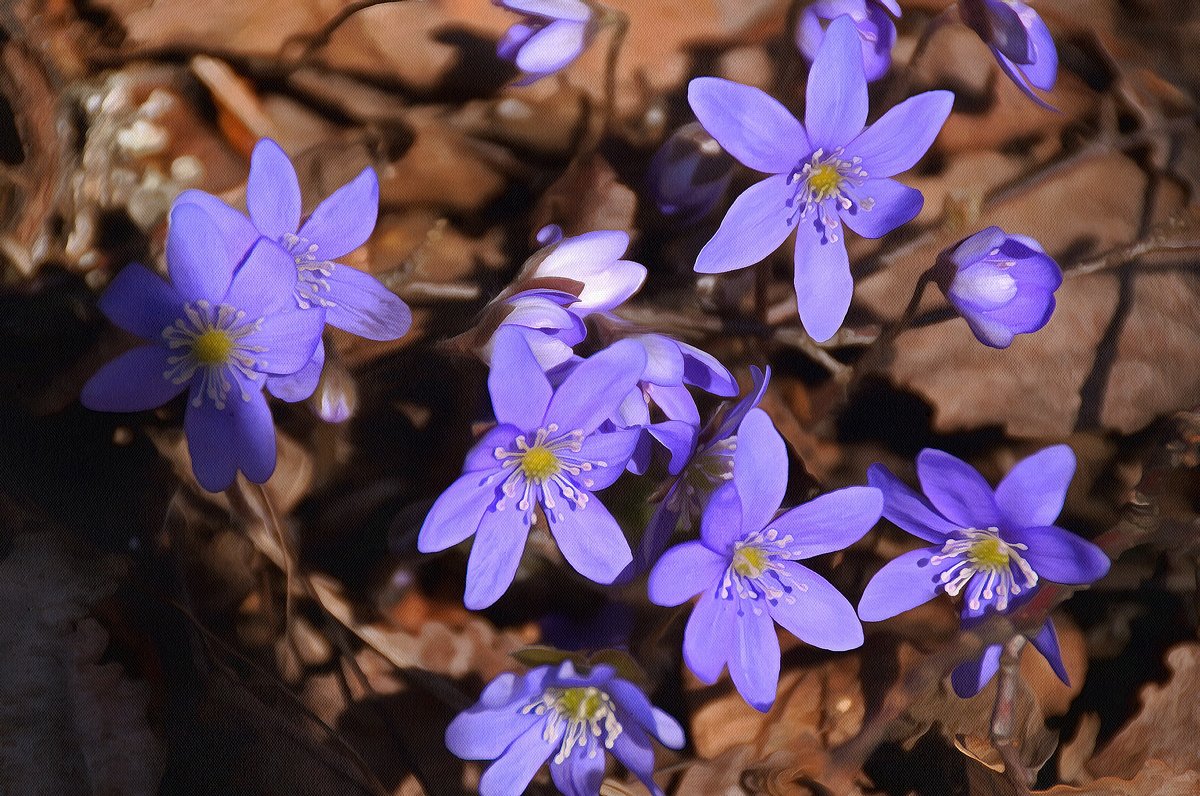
<point>824,172</point>
<point>545,452</point>
<point>875,29</point>
<point>220,329</point>
<point>671,365</point>
<point>1019,39</point>
<point>542,317</point>
<point>352,300</point>
<point>689,174</point>
<point>555,713</point>
<point>744,567</point>
<point>994,548</point>
<point>1002,285</point>
<point>552,35</point>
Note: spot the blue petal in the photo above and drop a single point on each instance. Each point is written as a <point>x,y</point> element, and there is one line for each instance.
<point>760,379</point>
<point>679,438</point>
<point>346,218</point>
<point>957,490</point>
<point>456,513</point>
<point>877,50</point>
<point>1034,490</point>
<point>519,389</point>
<point>1060,556</point>
<point>675,402</point>
<point>513,40</point>
<point>140,301</point>
<point>254,433</point>
<point>297,386</point>
<point>212,443</point>
<point>495,554</point>
<point>609,453</point>
<point>239,232</point>
<point>754,663</point>
<point>265,282</point>
<point>701,369</point>
<point>1007,32</point>
<point>894,205</point>
<point>823,282</point>
<point>594,259</point>
<point>1017,76</point>
<point>760,470</point>
<point>132,382</point>
<point>820,616</point>
<point>273,191</point>
<point>198,257</point>
<point>707,637</point>
<point>905,582</point>
<point>654,721</point>
<point>755,225</point>
<point>836,97</point>
<point>721,525</point>
<point>290,338</point>
<point>1044,69</point>
<point>664,360</point>
<point>830,522</point>
<point>632,747</point>
<point>482,455</point>
<point>969,678</point>
<point>901,136</point>
<point>683,572</point>
<point>491,725</point>
<point>552,47</point>
<point>1046,642</point>
<point>749,124</point>
<point>363,306</point>
<point>513,771</point>
<point>594,390</point>
<point>907,509</point>
<point>590,539</point>
<point>580,774</point>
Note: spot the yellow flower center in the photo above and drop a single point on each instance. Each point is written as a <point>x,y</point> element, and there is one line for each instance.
<point>575,716</point>
<point>988,554</point>
<point>749,562</point>
<point>540,464</point>
<point>580,703</point>
<point>824,181</point>
<point>212,347</point>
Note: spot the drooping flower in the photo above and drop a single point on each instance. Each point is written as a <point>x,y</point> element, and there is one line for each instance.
<point>570,718</point>
<point>1001,284</point>
<point>992,547</point>
<point>871,19</point>
<point>1019,39</point>
<point>552,35</point>
<point>351,299</point>
<point>746,569</point>
<point>825,172</point>
<point>689,174</point>
<point>671,365</point>
<point>545,452</point>
<point>542,317</point>
<point>219,329</point>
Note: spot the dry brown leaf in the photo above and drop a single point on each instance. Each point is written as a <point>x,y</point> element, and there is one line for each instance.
<point>1154,779</point>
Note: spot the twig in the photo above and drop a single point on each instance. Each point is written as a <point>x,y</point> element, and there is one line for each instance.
<point>1004,715</point>
<point>318,39</point>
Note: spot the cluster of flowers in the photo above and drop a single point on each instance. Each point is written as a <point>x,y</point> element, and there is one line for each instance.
<point>249,297</point>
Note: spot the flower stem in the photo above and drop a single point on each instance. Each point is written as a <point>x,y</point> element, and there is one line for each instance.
<point>1004,715</point>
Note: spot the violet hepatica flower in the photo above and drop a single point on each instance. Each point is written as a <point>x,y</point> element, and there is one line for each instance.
<point>871,19</point>
<point>351,299</point>
<point>671,366</point>
<point>689,174</point>
<point>219,330</point>
<point>824,172</point>
<point>1003,285</point>
<point>545,452</point>
<point>1019,39</point>
<point>992,547</point>
<point>570,718</point>
<point>552,35</point>
<point>746,569</point>
<point>542,317</point>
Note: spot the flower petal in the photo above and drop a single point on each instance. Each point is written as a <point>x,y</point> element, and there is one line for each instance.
<point>675,402</point>
<point>590,539</point>
<point>905,582</point>
<point>1046,642</point>
<point>969,678</point>
<point>683,572</point>
<point>265,282</point>
<point>140,301</point>
<point>456,513</point>
<point>1035,489</point>
<point>363,306</point>
<point>733,418</point>
<point>707,635</point>
<point>823,282</point>
<point>594,390</point>
<point>608,453</point>
<point>830,522</point>
<point>519,389</point>
<point>907,509</point>
<point>1017,75</point>
<point>957,490</point>
<point>632,747</point>
<point>132,382</point>
<point>212,443</point>
<point>594,259</point>
<point>297,386</point>
<point>760,470</point>
<point>346,218</point>
<point>1060,556</point>
<point>580,774</point>
<point>901,136</point>
<point>513,771</point>
<point>679,438</point>
<point>238,230</point>
<point>490,726</point>
<point>198,257</point>
<point>820,616</point>
<point>664,360</point>
<point>482,455</point>
<point>273,191</point>
<point>895,204</point>
<point>495,554</point>
<point>701,369</point>
<point>254,430</point>
<point>754,662</point>
<point>654,721</point>
<point>755,225</point>
<point>835,108</point>
<point>552,47</point>
<point>1044,69</point>
<point>749,124</point>
<point>290,338</point>
<point>721,525</point>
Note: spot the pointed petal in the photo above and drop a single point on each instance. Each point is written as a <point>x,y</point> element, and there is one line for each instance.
<point>675,402</point>
<point>265,282</point>
<point>590,539</point>
<point>608,453</point>
<point>198,257</point>
<point>1035,489</point>
<point>593,391</point>
<point>482,455</point>
<point>754,662</point>
<point>756,225</point>
<point>273,191</point>
<point>835,108</point>
<point>1060,556</point>
<point>1044,69</point>
<point>212,444</point>
<point>701,369</point>
<point>513,771</point>
<point>1007,31</point>
<point>760,379</point>
<point>519,389</point>
<point>132,382</point>
<point>140,301</point>
<point>654,721</point>
<point>683,572</point>
<point>1046,642</point>
<point>894,205</point>
<point>363,306</point>
<point>679,438</point>
<point>823,282</point>
<point>580,774</point>
<point>1017,75</point>
<point>721,525</point>
<point>456,513</point>
<point>902,135</point>
<point>820,616</point>
<point>908,509</point>
<point>238,230</point>
<point>346,219</point>
<point>749,124</point>
<point>706,639</point>
<point>956,490</point>
<point>905,582</point>
<point>552,47</point>
<point>290,339</point>
<point>495,554</point>
<point>490,726</point>
<point>664,360</point>
<point>297,386</point>
<point>760,469</point>
<point>970,678</point>
<point>832,521</point>
<point>254,430</point>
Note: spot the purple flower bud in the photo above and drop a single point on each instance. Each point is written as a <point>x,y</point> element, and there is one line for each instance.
<point>1019,39</point>
<point>552,35</point>
<point>875,28</point>
<point>1002,285</point>
<point>689,174</point>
